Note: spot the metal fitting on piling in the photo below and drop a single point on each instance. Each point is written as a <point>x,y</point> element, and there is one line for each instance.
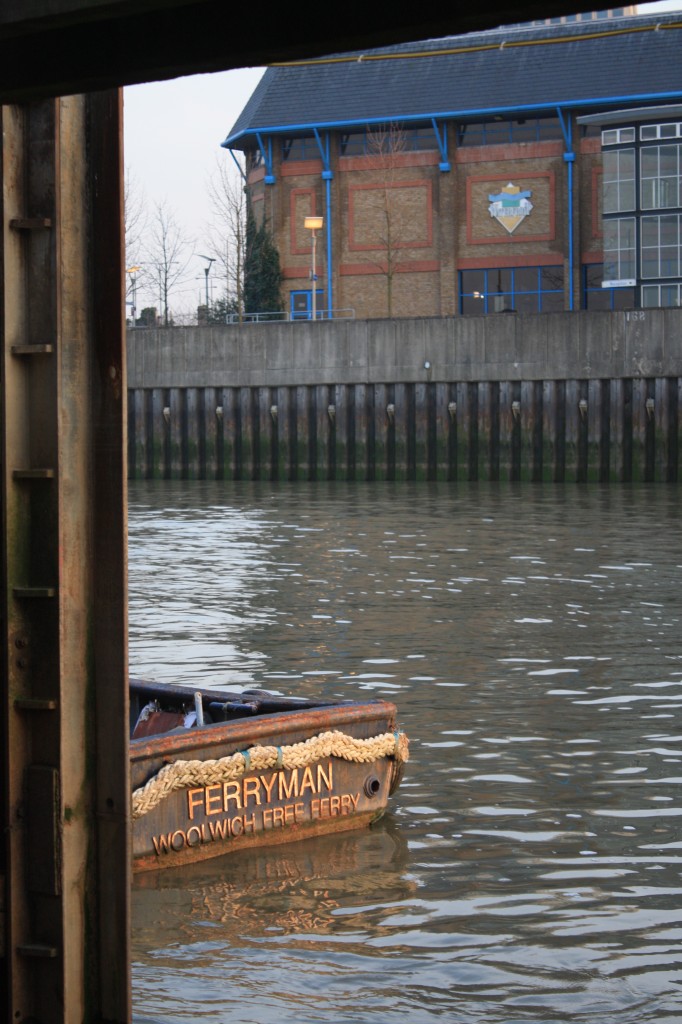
<point>219,412</point>
<point>516,410</point>
<point>166,413</point>
<point>273,413</point>
<point>650,406</point>
<point>390,412</point>
<point>452,411</point>
<point>582,406</point>
<point>332,412</point>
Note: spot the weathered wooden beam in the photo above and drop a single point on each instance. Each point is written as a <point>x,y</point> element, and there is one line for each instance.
<point>63,715</point>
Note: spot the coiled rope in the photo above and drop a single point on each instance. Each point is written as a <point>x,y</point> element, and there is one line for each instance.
<point>186,774</point>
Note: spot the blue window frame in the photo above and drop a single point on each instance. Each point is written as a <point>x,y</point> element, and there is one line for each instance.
<point>597,298</point>
<point>490,133</point>
<point>401,138</point>
<point>511,290</point>
<point>304,147</point>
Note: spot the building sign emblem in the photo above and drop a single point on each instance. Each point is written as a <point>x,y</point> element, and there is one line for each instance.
<point>510,206</point>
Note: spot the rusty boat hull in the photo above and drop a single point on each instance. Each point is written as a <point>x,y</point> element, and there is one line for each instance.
<point>263,770</point>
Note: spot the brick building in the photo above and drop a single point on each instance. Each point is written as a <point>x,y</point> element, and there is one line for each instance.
<point>531,168</point>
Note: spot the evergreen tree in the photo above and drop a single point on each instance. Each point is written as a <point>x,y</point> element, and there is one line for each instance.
<point>148,317</point>
<point>221,309</point>
<point>262,272</point>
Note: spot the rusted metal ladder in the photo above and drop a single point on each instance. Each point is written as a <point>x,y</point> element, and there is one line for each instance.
<point>64,719</point>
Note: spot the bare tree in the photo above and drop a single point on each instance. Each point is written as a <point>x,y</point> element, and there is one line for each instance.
<point>135,212</point>
<point>135,217</point>
<point>226,234</point>
<point>387,211</point>
<point>165,255</point>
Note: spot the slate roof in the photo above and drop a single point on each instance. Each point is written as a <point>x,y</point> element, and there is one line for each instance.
<point>524,68</point>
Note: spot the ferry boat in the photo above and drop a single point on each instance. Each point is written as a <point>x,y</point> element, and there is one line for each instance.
<point>222,770</point>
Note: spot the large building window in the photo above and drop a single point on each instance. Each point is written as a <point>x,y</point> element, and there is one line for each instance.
<point>496,132</point>
<point>389,138</point>
<point>660,177</point>
<point>661,295</point>
<point>511,290</point>
<point>670,130</point>
<point>597,298</point>
<point>643,173</point>
<point>661,246</point>
<point>567,19</point>
<point>304,147</point>
<point>619,181</point>
<point>620,249</point>
<point>616,136</point>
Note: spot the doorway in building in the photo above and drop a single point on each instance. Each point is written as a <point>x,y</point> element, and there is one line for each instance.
<point>301,304</point>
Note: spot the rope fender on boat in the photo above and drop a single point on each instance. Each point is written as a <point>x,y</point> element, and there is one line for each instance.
<point>186,774</point>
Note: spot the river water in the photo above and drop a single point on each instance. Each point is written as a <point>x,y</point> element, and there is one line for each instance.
<point>529,868</point>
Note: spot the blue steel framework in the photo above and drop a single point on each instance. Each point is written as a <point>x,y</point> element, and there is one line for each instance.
<point>484,125</point>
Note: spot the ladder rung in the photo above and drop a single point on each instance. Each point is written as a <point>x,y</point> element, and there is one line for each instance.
<point>31,350</point>
<point>37,949</point>
<point>33,474</point>
<point>34,591</point>
<point>34,704</point>
<point>30,223</point>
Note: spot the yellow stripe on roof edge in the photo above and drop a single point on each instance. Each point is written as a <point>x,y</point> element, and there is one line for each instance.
<point>505,44</point>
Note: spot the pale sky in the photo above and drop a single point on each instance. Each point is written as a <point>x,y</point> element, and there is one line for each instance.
<point>173,132</point>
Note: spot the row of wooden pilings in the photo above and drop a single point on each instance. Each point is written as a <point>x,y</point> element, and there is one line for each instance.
<point>553,430</point>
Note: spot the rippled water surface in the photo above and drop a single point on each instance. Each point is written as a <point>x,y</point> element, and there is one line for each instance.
<point>530,866</point>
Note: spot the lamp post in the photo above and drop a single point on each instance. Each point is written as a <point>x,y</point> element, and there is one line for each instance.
<point>314,224</point>
<point>133,281</point>
<point>207,270</point>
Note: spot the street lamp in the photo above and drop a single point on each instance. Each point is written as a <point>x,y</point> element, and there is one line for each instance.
<point>314,224</point>
<point>133,280</point>
<point>207,270</point>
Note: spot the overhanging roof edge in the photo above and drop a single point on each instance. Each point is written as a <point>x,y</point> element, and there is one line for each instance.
<point>632,114</point>
<point>450,115</point>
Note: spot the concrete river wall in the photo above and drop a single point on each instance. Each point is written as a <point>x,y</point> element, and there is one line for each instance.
<point>558,397</point>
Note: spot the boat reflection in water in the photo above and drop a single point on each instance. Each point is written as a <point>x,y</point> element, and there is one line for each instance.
<point>296,889</point>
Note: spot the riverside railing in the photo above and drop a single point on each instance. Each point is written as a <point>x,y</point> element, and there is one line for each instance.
<point>284,316</point>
